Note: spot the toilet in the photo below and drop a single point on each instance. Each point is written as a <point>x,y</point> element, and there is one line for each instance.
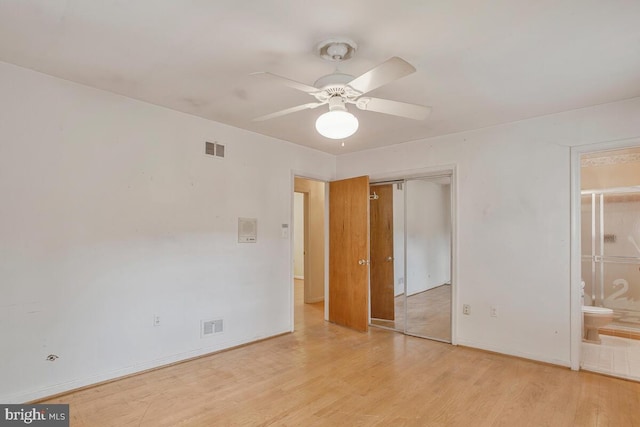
<point>594,318</point>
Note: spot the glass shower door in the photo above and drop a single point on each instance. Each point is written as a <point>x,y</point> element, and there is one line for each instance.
<point>589,221</point>
<point>611,252</point>
<point>619,263</point>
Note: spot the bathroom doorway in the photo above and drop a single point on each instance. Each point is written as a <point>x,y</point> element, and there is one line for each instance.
<point>411,256</point>
<point>610,259</point>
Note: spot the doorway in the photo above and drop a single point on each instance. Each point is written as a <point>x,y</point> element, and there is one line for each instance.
<point>610,259</point>
<point>411,256</point>
<point>308,246</point>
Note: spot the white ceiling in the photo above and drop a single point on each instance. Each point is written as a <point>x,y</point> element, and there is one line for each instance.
<point>479,63</point>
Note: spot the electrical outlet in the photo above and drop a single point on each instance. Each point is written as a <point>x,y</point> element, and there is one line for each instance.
<point>156,320</point>
<point>466,309</point>
<point>493,311</point>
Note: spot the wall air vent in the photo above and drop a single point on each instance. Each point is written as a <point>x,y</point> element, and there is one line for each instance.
<point>214,149</point>
<point>211,327</point>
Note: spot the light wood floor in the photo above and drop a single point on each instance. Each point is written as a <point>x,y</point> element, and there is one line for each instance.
<point>428,314</point>
<point>325,375</point>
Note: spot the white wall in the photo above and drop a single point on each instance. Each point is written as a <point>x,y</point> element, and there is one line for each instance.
<point>111,214</point>
<point>298,235</point>
<point>513,220</point>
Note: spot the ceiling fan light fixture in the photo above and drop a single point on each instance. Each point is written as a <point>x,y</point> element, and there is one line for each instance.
<point>336,49</point>
<point>337,124</point>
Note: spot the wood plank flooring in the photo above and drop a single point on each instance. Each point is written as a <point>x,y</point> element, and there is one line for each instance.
<point>326,375</point>
<point>428,313</point>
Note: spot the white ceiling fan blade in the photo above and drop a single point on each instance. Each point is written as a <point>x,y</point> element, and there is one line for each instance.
<point>386,106</point>
<point>289,111</point>
<point>390,70</point>
<point>285,81</point>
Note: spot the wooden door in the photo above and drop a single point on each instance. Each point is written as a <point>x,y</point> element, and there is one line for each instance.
<point>382,292</point>
<point>349,252</point>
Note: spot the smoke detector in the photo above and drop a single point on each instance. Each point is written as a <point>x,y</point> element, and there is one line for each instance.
<point>337,49</point>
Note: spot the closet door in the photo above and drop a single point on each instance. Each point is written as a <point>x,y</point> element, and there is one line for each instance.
<point>428,257</point>
<point>386,206</point>
<point>382,253</point>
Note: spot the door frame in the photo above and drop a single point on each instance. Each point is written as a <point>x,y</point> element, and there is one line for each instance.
<point>305,226</point>
<point>575,293</point>
<point>450,169</point>
<point>306,240</point>
<point>296,173</point>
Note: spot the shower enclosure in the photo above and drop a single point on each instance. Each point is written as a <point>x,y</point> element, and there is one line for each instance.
<point>611,252</point>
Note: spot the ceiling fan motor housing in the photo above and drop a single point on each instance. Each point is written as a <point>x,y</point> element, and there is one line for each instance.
<point>337,103</point>
<point>334,79</point>
<point>335,85</point>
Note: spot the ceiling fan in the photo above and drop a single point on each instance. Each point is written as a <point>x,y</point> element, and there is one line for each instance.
<point>338,89</point>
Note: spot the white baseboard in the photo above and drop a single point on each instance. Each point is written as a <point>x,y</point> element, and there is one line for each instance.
<point>32,395</point>
<point>535,357</point>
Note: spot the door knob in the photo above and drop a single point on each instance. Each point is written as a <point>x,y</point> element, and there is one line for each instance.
<point>363,261</point>
<point>389,259</point>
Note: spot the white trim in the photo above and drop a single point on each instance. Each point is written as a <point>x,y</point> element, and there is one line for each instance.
<point>576,255</point>
<point>326,249</point>
<point>31,395</point>
<point>454,255</point>
<point>292,204</point>
<point>414,173</point>
<point>575,273</point>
